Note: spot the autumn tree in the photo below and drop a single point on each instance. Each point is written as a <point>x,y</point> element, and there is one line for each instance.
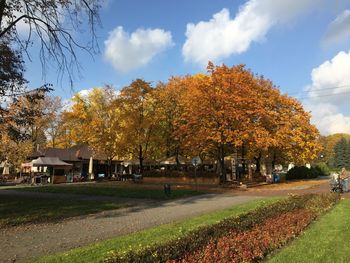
<point>53,108</point>
<point>20,133</point>
<point>261,138</point>
<point>24,115</point>
<point>94,119</point>
<point>15,151</point>
<point>328,143</point>
<point>137,108</point>
<point>297,137</point>
<point>281,132</point>
<point>169,97</point>
<point>231,109</point>
<point>219,110</point>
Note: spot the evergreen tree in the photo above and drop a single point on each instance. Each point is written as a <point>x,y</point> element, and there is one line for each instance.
<point>342,154</point>
<point>347,166</point>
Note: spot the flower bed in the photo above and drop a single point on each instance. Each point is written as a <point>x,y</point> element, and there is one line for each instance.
<point>248,237</point>
<point>253,245</point>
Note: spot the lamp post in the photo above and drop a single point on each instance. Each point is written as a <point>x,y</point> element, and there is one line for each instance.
<point>196,161</point>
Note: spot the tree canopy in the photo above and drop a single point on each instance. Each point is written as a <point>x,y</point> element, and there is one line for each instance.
<point>227,110</point>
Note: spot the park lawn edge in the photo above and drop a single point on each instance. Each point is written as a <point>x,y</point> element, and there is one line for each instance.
<point>322,241</point>
<point>98,251</point>
<point>115,191</point>
<point>35,210</point>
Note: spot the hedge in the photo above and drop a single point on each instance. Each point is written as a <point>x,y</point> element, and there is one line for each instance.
<point>198,239</point>
<point>302,172</point>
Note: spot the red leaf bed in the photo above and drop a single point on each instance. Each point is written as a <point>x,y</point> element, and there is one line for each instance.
<point>246,238</point>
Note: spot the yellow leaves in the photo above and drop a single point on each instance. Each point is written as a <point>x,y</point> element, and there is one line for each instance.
<point>93,119</point>
<point>192,114</point>
<point>232,106</point>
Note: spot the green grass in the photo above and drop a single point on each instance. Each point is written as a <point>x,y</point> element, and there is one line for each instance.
<point>155,235</point>
<point>128,192</point>
<point>327,240</point>
<point>17,210</point>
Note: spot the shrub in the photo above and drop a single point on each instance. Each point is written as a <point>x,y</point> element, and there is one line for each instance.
<point>301,172</point>
<point>196,240</point>
<point>323,169</point>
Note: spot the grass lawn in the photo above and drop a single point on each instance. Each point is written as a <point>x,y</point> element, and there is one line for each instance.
<point>155,235</point>
<point>327,240</point>
<point>15,210</point>
<point>113,190</point>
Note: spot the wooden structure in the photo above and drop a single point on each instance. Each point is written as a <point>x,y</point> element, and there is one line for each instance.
<point>79,157</point>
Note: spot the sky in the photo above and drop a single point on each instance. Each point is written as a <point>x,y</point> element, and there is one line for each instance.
<point>303,46</point>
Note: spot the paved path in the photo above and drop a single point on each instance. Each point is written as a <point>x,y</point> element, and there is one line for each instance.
<point>26,242</point>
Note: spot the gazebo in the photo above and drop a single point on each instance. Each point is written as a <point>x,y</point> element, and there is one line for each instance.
<point>53,164</point>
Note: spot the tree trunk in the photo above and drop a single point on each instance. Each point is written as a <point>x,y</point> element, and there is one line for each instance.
<point>258,163</point>
<point>243,160</point>
<point>178,165</point>
<point>109,167</point>
<point>141,159</point>
<point>273,161</point>
<point>221,163</point>
<point>168,142</point>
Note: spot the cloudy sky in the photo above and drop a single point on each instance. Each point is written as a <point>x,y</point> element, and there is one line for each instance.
<point>303,46</point>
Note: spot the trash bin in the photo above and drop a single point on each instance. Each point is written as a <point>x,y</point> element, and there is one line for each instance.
<point>69,178</point>
<point>167,189</point>
<point>37,180</point>
<point>276,178</point>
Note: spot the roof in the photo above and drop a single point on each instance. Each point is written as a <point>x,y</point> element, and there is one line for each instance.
<point>49,161</point>
<point>172,160</point>
<point>137,162</point>
<point>27,165</point>
<point>72,154</point>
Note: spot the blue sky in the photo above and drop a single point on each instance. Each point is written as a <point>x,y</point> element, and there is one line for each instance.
<point>301,45</point>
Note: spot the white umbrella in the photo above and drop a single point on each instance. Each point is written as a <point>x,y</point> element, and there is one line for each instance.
<point>6,166</point>
<point>6,170</point>
<point>90,168</point>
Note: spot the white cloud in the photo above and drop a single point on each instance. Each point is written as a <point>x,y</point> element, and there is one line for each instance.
<point>127,52</point>
<point>24,29</point>
<point>84,93</point>
<point>328,118</point>
<point>67,104</point>
<point>222,36</point>
<point>328,93</point>
<point>331,78</point>
<point>338,30</point>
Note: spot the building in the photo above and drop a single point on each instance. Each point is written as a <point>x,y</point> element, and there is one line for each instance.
<point>79,156</point>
